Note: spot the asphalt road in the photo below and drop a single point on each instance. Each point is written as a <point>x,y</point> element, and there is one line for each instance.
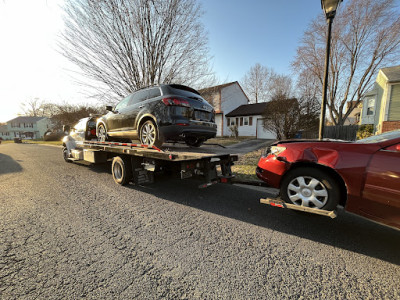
<point>67,231</point>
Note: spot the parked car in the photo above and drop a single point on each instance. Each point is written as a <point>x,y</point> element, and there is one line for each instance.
<point>159,114</point>
<point>363,176</point>
<point>85,129</point>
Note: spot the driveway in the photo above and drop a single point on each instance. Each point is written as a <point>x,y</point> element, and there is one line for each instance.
<point>249,146</point>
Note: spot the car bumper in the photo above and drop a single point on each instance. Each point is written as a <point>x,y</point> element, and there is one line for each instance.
<point>195,129</point>
<point>271,170</point>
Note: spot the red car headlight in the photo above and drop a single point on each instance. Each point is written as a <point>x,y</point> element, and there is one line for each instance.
<point>276,150</point>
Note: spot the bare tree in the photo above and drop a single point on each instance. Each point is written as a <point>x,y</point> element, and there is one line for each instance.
<point>282,116</point>
<point>280,86</point>
<point>123,45</point>
<point>32,107</point>
<point>256,83</point>
<point>365,37</point>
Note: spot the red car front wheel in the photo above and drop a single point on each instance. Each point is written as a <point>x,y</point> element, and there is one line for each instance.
<point>310,187</point>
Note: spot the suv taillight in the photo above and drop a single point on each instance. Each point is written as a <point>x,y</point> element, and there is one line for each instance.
<point>176,102</point>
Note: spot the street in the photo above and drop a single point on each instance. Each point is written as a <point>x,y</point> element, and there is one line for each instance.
<point>67,231</point>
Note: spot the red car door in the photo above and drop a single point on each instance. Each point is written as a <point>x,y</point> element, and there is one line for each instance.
<point>381,194</point>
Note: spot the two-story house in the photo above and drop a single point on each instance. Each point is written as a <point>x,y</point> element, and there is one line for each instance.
<point>381,105</point>
<point>25,127</point>
<point>224,98</point>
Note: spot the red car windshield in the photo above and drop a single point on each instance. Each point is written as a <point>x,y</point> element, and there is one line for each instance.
<point>381,137</point>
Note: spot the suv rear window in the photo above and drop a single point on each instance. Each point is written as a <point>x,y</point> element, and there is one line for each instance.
<point>184,91</point>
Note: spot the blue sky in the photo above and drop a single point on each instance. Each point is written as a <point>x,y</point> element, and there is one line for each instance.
<point>241,33</point>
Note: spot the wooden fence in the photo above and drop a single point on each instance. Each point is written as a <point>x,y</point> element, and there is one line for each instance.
<point>345,132</point>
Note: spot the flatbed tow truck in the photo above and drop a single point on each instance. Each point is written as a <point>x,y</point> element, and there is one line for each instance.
<point>137,163</point>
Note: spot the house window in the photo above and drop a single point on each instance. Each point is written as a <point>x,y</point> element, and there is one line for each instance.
<point>228,121</point>
<point>371,106</point>
<point>246,121</point>
<point>231,121</point>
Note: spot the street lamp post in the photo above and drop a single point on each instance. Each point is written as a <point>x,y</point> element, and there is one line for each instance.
<point>329,7</point>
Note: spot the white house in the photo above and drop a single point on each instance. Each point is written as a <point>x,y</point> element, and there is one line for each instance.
<point>224,98</point>
<point>25,127</point>
<point>381,106</point>
<point>249,121</point>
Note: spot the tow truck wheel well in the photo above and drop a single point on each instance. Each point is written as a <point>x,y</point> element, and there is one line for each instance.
<point>333,173</point>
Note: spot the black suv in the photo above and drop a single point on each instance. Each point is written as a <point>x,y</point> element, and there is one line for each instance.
<point>160,114</point>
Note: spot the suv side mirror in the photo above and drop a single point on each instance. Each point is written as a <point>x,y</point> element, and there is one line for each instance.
<point>66,128</point>
<point>109,108</point>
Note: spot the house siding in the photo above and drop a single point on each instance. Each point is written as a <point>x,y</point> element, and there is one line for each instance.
<point>231,97</point>
<point>381,96</point>
<point>394,105</point>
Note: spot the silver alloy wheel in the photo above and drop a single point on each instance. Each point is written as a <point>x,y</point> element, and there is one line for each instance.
<point>148,134</point>
<point>102,134</point>
<point>307,191</point>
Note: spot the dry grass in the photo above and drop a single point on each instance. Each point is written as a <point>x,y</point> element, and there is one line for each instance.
<point>57,143</point>
<point>245,167</point>
<point>226,141</point>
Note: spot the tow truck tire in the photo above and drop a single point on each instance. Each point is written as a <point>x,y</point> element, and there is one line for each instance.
<point>121,169</point>
<point>65,155</point>
<point>310,187</point>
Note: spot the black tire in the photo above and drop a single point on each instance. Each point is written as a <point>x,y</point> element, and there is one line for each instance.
<point>121,169</point>
<point>102,133</point>
<point>65,155</point>
<point>194,142</point>
<point>310,187</point>
<point>149,134</point>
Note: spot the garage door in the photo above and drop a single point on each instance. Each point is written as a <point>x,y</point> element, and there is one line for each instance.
<point>262,133</point>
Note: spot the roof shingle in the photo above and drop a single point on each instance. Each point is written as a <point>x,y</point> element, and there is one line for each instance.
<point>248,110</point>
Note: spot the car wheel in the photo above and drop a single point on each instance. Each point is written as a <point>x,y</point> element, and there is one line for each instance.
<point>65,155</point>
<point>310,187</point>
<point>194,142</point>
<point>101,133</point>
<point>149,134</point>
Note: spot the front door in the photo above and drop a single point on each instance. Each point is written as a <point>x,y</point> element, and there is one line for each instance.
<point>381,194</point>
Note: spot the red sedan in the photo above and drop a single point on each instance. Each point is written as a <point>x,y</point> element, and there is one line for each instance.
<point>363,176</point>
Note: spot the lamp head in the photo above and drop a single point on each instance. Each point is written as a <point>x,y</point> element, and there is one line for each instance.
<point>330,7</point>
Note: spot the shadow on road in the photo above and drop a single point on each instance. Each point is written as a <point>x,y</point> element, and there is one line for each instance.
<point>347,231</point>
<point>8,165</point>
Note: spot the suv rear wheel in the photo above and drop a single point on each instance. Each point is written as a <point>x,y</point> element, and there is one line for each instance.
<point>149,134</point>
